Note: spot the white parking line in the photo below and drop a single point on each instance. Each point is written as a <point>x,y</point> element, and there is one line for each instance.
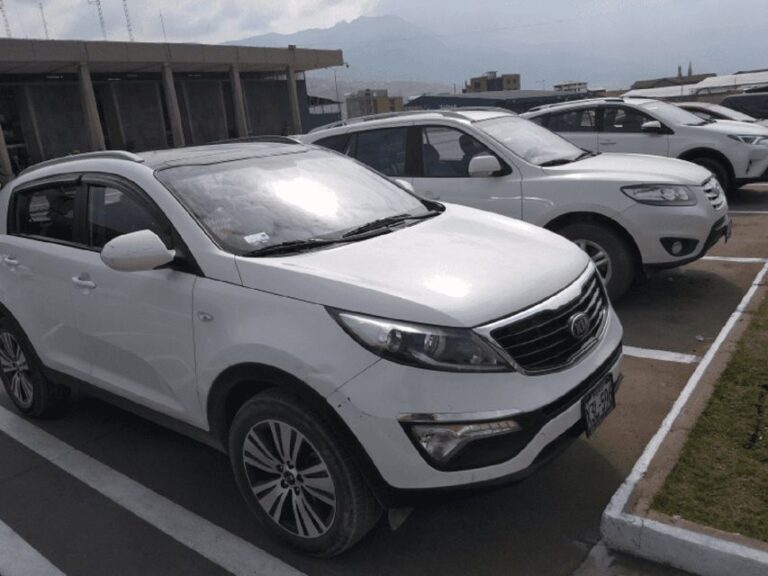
<point>748,212</point>
<point>213,542</point>
<point>736,259</point>
<point>660,355</point>
<point>17,558</point>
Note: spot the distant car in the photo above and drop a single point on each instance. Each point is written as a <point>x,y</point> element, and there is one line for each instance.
<point>710,111</point>
<point>735,152</point>
<point>348,344</point>
<point>628,212</point>
<point>756,105</point>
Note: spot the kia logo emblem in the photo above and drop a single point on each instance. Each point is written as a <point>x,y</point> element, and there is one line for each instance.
<point>579,326</point>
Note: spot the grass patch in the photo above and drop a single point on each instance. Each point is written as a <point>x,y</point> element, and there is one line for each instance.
<point>721,479</point>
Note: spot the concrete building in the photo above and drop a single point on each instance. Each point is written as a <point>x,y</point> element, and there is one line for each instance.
<point>571,87</point>
<point>366,102</point>
<point>679,80</point>
<point>492,82</point>
<point>515,100</point>
<point>58,97</point>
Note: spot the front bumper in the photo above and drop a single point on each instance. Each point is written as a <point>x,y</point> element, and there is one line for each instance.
<point>720,229</point>
<point>549,405</point>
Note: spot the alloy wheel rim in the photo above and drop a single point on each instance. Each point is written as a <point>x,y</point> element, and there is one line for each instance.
<point>599,257</point>
<point>289,478</point>
<point>15,369</point>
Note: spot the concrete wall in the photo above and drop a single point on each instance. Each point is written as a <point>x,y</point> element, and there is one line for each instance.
<point>141,113</point>
<point>203,111</point>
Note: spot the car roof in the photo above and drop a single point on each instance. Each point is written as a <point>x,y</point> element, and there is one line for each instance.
<point>468,114</point>
<point>588,102</point>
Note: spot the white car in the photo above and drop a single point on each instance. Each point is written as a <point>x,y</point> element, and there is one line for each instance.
<point>710,111</point>
<point>350,345</point>
<point>735,152</point>
<point>630,213</point>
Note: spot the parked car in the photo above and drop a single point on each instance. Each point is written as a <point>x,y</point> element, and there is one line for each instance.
<point>710,111</point>
<point>630,213</point>
<point>350,345</point>
<point>756,105</point>
<point>736,153</point>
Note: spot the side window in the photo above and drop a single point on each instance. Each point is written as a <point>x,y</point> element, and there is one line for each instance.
<point>338,142</point>
<point>624,120</point>
<point>112,212</point>
<point>573,121</point>
<point>446,152</point>
<point>47,213</point>
<point>383,150</point>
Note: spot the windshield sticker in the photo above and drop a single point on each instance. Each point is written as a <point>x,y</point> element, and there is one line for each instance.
<point>258,238</point>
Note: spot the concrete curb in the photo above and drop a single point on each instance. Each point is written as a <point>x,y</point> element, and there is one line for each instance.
<point>672,545</point>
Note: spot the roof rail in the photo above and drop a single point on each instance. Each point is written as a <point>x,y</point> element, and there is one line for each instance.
<point>384,115</point>
<point>271,138</point>
<point>573,102</point>
<point>100,155</point>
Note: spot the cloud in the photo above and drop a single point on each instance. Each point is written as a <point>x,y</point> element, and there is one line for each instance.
<point>211,21</point>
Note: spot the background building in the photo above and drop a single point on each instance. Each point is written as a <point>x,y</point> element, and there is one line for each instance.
<point>366,102</point>
<point>491,81</point>
<point>571,87</point>
<point>59,97</point>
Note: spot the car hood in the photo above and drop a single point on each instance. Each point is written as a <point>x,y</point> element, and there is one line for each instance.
<point>634,169</point>
<point>464,268</point>
<point>735,127</point>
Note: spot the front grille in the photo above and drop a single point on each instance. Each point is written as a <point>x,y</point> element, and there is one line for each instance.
<point>544,341</point>
<point>714,193</point>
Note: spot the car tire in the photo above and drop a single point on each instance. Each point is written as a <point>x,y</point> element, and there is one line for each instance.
<point>22,375</point>
<point>717,168</point>
<point>610,253</point>
<point>275,438</point>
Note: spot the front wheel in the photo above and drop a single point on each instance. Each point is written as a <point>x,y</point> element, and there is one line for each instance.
<point>610,253</point>
<point>295,473</point>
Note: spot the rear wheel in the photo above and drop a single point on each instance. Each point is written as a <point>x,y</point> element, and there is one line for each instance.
<point>31,392</point>
<point>613,258</point>
<point>296,475</point>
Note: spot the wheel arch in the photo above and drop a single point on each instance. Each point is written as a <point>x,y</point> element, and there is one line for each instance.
<point>560,222</point>
<point>711,154</point>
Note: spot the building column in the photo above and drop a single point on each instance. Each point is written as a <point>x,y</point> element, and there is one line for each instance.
<point>172,102</point>
<point>293,100</point>
<point>90,110</point>
<point>238,104</point>
<point>6,169</point>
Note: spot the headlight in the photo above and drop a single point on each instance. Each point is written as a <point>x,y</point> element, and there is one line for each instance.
<point>750,139</point>
<point>451,349</point>
<point>661,194</point>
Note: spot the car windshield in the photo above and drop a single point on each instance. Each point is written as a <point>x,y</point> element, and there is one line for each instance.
<point>530,141</point>
<point>731,114</point>
<point>671,114</point>
<point>250,204</point>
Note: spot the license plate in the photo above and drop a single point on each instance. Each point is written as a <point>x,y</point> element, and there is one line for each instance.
<point>597,404</point>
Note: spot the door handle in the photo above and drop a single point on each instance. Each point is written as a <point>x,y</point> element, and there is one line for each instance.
<point>10,261</point>
<point>83,281</point>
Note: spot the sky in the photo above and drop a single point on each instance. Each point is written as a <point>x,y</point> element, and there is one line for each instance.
<point>648,37</point>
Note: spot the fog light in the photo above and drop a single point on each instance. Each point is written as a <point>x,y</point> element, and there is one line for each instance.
<point>443,441</point>
<point>679,246</point>
<point>676,247</point>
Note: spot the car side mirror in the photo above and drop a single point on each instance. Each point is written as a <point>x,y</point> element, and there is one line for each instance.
<point>652,127</point>
<point>483,165</point>
<point>136,251</point>
<point>404,184</point>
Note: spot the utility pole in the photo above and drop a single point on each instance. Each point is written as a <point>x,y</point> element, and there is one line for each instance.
<point>5,19</point>
<point>128,20</point>
<point>45,23</point>
<point>162,23</point>
<point>97,3</point>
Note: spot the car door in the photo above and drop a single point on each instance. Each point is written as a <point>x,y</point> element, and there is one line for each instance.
<point>621,131</point>
<point>41,248</point>
<point>441,172</point>
<point>137,325</point>
<point>579,126</point>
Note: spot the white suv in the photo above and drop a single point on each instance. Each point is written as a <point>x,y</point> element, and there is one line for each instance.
<point>735,152</point>
<point>630,213</point>
<point>350,345</point>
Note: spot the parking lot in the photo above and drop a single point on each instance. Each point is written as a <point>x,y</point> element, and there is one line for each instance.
<point>545,525</point>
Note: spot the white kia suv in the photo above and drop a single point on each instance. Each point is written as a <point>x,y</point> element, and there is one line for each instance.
<point>735,152</point>
<point>351,346</point>
<point>630,213</point>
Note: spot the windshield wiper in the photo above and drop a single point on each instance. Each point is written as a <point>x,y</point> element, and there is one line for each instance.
<point>292,246</point>
<point>556,162</point>
<point>387,222</point>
